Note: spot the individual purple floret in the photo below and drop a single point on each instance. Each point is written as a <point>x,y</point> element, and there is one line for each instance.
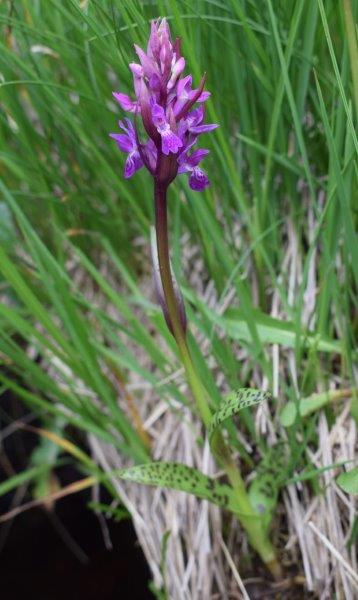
<point>165,102</point>
<point>198,179</point>
<point>127,142</point>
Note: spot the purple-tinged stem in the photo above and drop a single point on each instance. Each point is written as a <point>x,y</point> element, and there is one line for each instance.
<point>248,516</point>
<point>161,228</point>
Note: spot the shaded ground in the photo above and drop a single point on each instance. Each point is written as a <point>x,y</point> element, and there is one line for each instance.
<point>36,559</point>
<point>62,555</point>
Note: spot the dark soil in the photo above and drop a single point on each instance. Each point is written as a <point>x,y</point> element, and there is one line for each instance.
<point>36,562</point>
<point>61,554</point>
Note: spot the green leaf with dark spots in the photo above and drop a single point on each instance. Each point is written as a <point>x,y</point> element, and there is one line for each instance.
<point>177,476</point>
<point>233,403</point>
<point>271,476</point>
<point>263,493</point>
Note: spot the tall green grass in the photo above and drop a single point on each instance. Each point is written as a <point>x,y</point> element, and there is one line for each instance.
<point>284,157</point>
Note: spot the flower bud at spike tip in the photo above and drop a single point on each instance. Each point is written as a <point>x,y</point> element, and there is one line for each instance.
<point>164,100</point>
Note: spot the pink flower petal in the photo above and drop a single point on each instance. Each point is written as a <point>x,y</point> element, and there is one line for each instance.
<point>198,180</point>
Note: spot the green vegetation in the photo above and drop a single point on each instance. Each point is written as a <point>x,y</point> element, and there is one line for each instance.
<point>275,231</point>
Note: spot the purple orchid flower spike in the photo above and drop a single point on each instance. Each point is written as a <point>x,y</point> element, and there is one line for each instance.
<point>164,100</point>
<point>172,114</point>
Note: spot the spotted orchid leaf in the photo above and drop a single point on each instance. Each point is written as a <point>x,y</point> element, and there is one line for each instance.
<point>271,474</point>
<point>232,404</point>
<point>263,493</point>
<point>177,476</point>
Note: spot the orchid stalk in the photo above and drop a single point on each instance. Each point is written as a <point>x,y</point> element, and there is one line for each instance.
<point>172,114</point>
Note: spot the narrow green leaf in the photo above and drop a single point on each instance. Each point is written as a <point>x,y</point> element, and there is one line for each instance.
<point>311,404</point>
<point>16,480</point>
<point>273,331</point>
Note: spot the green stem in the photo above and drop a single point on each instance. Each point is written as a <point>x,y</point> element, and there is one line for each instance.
<point>248,516</point>
<point>352,46</point>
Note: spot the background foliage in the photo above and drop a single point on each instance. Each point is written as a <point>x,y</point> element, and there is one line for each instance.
<point>73,231</point>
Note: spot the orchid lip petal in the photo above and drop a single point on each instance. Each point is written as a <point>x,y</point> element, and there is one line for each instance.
<point>133,163</point>
<point>170,142</point>
<point>198,180</point>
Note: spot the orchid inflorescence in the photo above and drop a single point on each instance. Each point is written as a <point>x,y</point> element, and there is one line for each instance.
<point>165,103</point>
